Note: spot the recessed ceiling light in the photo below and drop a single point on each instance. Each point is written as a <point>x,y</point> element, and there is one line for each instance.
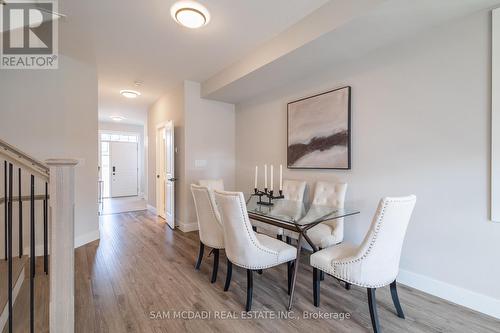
<point>130,93</point>
<point>118,118</point>
<point>190,14</point>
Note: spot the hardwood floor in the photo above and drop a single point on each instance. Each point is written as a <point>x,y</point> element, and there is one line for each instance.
<point>140,267</point>
<point>123,205</point>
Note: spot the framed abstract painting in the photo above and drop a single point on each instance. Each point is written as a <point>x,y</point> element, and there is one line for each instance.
<point>319,131</point>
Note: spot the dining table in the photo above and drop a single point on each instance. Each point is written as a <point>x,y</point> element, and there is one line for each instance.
<point>298,217</point>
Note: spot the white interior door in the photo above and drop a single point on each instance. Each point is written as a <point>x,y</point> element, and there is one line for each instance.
<point>170,174</point>
<point>160,171</point>
<point>124,169</point>
<point>165,172</point>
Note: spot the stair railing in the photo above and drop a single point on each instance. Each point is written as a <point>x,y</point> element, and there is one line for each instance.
<point>57,177</point>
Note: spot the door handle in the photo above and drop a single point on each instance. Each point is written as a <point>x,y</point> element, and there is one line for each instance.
<point>172,179</point>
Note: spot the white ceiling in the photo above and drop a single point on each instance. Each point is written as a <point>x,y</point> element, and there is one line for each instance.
<point>362,30</point>
<point>249,46</point>
<point>138,40</point>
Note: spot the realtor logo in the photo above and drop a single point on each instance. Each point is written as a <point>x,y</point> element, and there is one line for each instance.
<point>29,31</point>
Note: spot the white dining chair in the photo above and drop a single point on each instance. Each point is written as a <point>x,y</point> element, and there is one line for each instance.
<point>212,184</point>
<point>293,190</point>
<point>244,247</point>
<point>331,232</point>
<point>209,225</point>
<point>373,264</point>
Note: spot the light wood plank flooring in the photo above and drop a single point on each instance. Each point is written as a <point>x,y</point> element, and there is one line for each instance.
<point>140,266</point>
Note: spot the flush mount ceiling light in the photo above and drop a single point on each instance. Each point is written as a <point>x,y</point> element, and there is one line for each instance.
<point>190,14</point>
<point>130,93</point>
<point>117,118</point>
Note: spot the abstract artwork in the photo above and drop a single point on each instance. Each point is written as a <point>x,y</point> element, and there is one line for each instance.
<point>319,131</point>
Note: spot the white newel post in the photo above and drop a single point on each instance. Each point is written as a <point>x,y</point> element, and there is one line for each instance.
<point>62,245</point>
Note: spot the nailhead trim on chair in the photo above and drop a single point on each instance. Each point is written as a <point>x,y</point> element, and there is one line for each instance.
<point>213,246</point>
<point>211,200</point>
<point>345,262</point>
<point>259,267</point>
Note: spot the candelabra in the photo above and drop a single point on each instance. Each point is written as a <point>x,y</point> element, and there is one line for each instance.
<point>269,194</point>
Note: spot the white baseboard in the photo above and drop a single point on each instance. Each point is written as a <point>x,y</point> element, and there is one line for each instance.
<point>86,238</point>
<point>38,250</point>
<point>79,241</point>
<point>152,209</point>
<point>472,300</point>
<point>187,227</point>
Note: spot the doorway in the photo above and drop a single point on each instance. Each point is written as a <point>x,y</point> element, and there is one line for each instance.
<point>165,172</point>
<point>119,173</point>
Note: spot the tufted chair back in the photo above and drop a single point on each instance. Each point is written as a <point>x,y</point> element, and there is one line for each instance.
<point>242,246</point>
<point>212,184</point>
<point>380,252</point>
<point>331,194</point>
<point>294,190</point>
<point>209,224</point>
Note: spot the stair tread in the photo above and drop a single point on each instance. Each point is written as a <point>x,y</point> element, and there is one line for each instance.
<point>17,267</point>
<point>41,307</point>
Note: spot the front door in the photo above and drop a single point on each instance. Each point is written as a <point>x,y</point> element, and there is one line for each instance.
<point>124,169</point>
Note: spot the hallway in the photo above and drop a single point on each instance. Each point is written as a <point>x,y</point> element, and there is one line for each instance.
<point>122,205</point>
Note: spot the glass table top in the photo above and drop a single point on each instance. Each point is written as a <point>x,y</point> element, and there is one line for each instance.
<point>296,212</point>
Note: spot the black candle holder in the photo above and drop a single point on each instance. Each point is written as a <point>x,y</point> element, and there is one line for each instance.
<point>269,194</point>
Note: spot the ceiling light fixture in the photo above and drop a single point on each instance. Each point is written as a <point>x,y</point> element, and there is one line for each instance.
<point>190,14</point>
<point>130,93</point>
<point>118,118</point>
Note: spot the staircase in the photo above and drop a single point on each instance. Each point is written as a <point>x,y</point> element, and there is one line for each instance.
<point>37,202</point>
<point>18,265</point>
<point>21,319</point>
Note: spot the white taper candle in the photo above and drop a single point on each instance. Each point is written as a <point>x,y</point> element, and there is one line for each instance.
<point>265,175</point>
<point>256,176</point>
<point>281,177</point>
<point>272,178</point>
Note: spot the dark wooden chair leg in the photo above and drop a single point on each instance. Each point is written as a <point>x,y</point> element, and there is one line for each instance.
<point>289,267</point>
<point>316,286</point>
<point>200,256</point>
<point>288,240</point>
<point>216,266</point>
<point>347,286</point>
<point>395,300</point>
<point>321,273</point>
<point>280,237</point>
<point>372,303</point>
<point>228,275</point>
<point>248,306</point>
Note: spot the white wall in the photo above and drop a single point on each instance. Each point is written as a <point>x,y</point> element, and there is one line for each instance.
<point>210,143</point>
<point>169,107</point>
<point>204,133</point>
<point>421,115</point>
<point>44,116</point>
<point>142,156</point>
